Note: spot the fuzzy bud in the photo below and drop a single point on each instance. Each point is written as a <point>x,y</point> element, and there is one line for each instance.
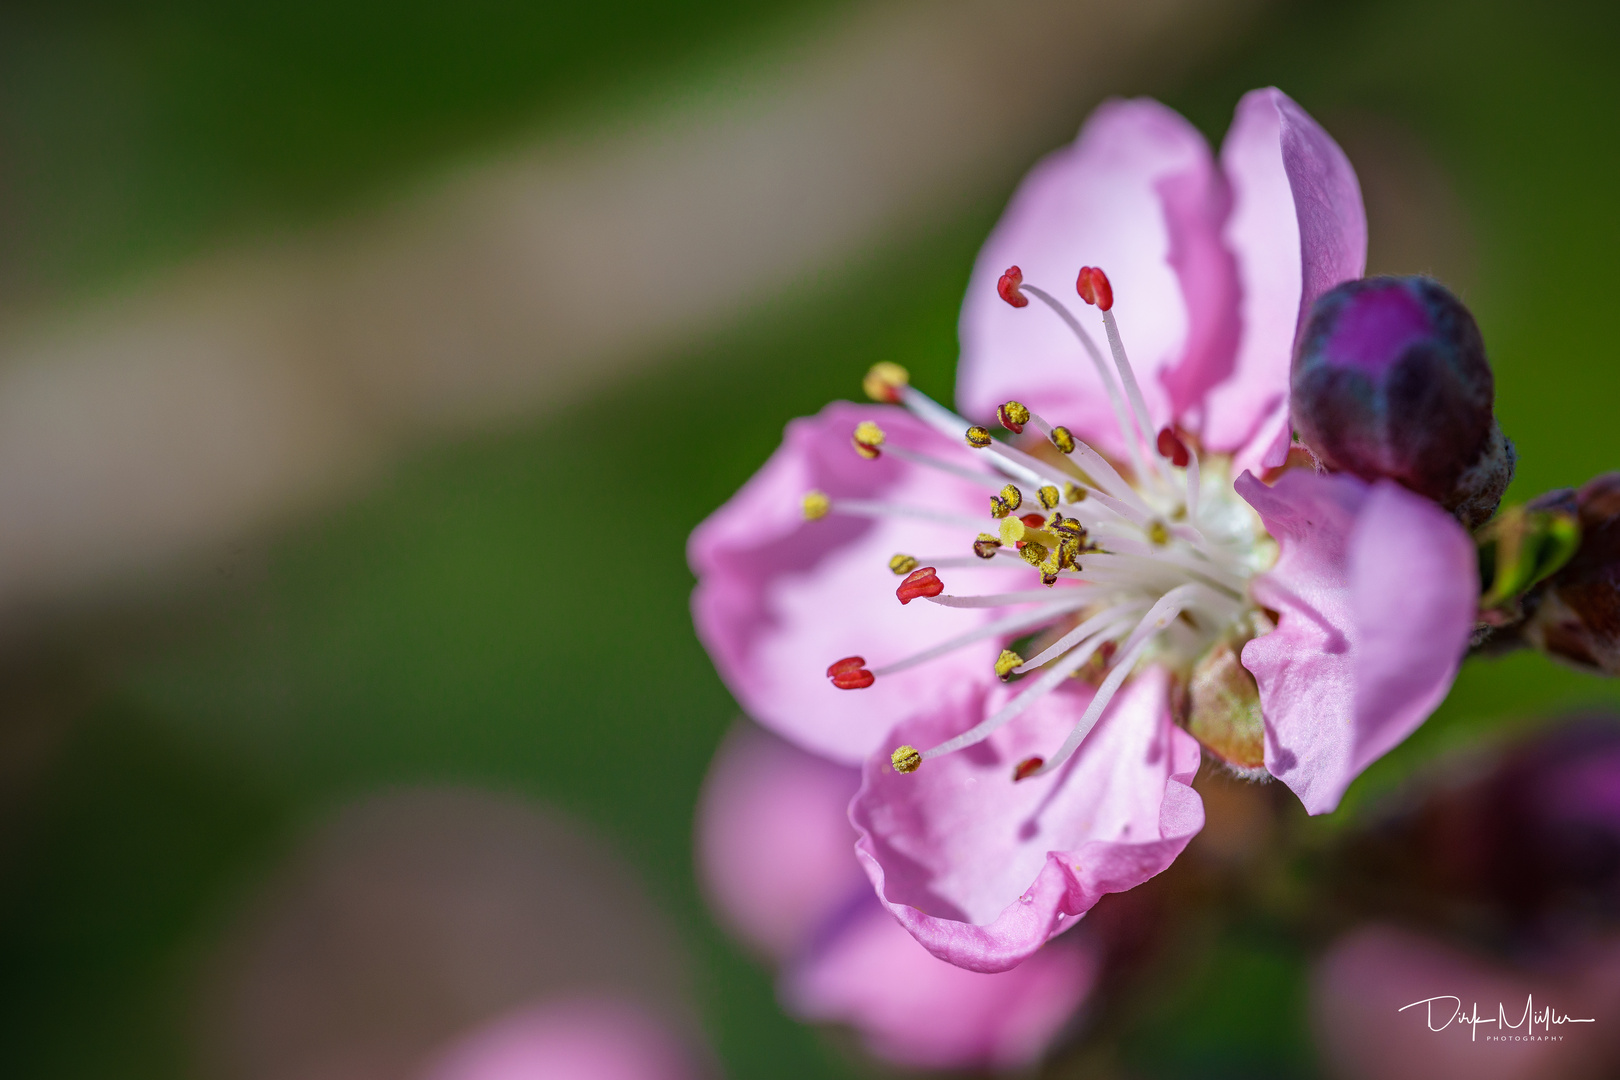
<point>1390,380</point>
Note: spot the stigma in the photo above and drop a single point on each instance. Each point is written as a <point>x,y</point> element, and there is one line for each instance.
<point>1110,565</point>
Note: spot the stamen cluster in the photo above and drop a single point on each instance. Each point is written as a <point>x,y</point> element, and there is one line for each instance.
<point>1144,563</point>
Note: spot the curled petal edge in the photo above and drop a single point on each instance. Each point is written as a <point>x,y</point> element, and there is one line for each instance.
<point>1069,884</point>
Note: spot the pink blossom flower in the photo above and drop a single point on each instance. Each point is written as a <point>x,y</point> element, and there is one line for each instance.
<point>774,848</point>
<point>1349,602</point>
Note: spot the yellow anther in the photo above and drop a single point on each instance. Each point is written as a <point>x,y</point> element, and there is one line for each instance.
<point>1013,416</point>
<point>1034,552</point>
<point>1012,531</point>
<point>978,437</point>
<point>1063,439</point>
<point>905,759</point>
<point>999,507</point>
<point>1052,563</point>
<point>1006,662</point>
<point>1069,553</point>
<point>1013,496</point>
<point>1048,495</point>
<point>900,565</point>
<point>1073,492</point>
<point>985,546</point>
<point>885,382</point>
<point>1159,533</point>
<point>867,438</point>
<point>816,504</point>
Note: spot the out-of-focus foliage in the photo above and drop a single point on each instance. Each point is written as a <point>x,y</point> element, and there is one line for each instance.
<point>468,621</point>
<point>132,132</point>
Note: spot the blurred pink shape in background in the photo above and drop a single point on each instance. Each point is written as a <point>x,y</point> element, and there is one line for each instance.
<point>776,855</point>
<point>1368,976</point>
<point>583,1039</point>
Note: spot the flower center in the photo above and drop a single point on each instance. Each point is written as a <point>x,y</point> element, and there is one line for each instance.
<point>1150,569</point>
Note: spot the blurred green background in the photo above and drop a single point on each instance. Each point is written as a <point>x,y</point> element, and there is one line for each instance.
<point>137,132</point>
<point>456,624</point>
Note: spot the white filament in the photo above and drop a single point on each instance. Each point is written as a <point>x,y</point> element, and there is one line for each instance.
<point>1158,617</point>
<point>1121,416</point>
<point>1012,624</point>
<point>1038,689</point>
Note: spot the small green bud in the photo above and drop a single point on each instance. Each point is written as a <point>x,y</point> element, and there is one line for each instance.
<point>1523,546</point>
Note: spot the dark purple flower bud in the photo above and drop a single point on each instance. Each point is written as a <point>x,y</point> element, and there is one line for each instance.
<point>1575,614</point>
<point>1390,380</point>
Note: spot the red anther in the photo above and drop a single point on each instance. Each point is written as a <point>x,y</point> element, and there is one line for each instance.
<point>850,673</point>
<point>1093,287</point>
<point>920,582</point>
<point>1172,447</point>
<point>1007,288</point>
<point>854,680</point>
<point>1027,768</point>
<point>1006,418</point>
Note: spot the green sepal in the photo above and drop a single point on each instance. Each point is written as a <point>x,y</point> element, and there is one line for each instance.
<point>1521,547</point>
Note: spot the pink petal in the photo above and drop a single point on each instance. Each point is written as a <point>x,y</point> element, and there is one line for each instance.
<point>1377,589</point>
<point>1297,228</point>
<point>775,849</point>
<point>780,598</point>
<point>1196,206</point>
<point>583,1039</point>
<point>981,870</point>
<point>923,1013</point>
<point>1138,195</point>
